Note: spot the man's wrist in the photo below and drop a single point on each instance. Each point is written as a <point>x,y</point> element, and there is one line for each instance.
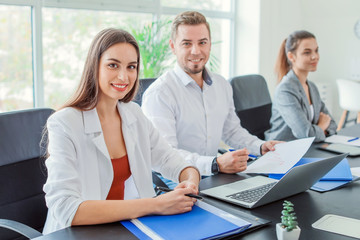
<point>261,149</point>
<point>215,166</point>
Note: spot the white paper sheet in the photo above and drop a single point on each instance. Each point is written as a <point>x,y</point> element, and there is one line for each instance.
<point>285,156</point>
<point>355,171</point>
<point>343,139</point>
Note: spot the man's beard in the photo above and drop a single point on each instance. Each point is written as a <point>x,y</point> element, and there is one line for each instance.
<point>195,70</point>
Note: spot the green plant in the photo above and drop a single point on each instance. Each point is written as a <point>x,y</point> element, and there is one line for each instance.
<point>288,218</point>
<point>214,61</point>
<point>156,55</point>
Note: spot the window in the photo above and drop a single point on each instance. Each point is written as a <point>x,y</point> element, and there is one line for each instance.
<point>215,5</point>
<point>220,50</point>
<point>53,37</point>
<point>16,75</point>
<point>67,35</point>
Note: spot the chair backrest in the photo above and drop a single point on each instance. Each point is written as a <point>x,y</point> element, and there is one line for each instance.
<point>144,84</point>
<point>349,94</point>
<point>22,169</point>
<point>252,103</point>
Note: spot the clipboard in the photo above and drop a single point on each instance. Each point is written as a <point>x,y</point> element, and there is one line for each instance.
<point>340,148</point>
<point>338,224</point>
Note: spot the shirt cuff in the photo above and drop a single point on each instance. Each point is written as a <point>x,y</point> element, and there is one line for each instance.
<point>256,147</point>
<point>203,164</point>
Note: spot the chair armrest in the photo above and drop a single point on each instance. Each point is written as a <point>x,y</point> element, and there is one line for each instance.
<point>158,182</point>
<point>20,228</point>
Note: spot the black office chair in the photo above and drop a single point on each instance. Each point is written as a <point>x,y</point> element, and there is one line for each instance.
<point>144,84</point>
<point>252,103</point>
<point>22,173</point>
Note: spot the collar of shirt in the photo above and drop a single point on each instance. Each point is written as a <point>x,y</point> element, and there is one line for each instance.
<point>186,79</point>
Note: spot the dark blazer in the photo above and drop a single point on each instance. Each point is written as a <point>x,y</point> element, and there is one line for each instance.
<point>291,112</point>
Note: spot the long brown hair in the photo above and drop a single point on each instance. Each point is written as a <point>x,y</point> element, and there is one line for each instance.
<point>290,44</point>
<point>86,95</point>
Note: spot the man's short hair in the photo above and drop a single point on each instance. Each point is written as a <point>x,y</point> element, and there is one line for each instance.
<point>188,18</point>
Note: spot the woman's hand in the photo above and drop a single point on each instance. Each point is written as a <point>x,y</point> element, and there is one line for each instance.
<point>190,185</point>
<point>324,121</point>
<point>189,178</point>
<point>175,202</point>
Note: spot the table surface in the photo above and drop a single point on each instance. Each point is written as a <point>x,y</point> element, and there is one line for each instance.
<point>309,206</point>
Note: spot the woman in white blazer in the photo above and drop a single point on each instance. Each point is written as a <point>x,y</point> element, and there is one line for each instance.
<point>97,127</point>
<point>298,110</point>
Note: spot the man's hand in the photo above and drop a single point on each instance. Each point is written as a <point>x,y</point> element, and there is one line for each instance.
<point>268,146</point>
<point>233,162</point>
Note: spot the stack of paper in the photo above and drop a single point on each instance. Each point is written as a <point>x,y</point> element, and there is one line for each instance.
<point>353,141</point>
<point>203,222</point>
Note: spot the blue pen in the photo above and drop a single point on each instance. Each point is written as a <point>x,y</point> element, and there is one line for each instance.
<point>253,156</point>
<point>353,139</point>
<point>250,155</point>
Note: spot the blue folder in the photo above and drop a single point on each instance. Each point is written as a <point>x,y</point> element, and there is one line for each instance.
<point>324,186</point>
<point>134,230</point>
<point>196,224</point>
<point>335,178</point>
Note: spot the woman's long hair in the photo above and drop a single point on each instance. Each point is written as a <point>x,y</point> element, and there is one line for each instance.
<point>290,44</point>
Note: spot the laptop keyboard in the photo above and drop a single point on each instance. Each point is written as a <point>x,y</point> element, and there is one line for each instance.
<point>252,195</point>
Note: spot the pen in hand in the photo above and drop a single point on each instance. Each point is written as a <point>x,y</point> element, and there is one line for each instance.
<point>163,189</point>
<point>251,157</point>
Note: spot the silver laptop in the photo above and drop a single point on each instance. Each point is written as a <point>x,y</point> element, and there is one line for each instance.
<point>260,190</point>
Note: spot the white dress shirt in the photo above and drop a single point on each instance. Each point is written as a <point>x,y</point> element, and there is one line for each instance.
<point>195,120</point>
<point>80,168</point>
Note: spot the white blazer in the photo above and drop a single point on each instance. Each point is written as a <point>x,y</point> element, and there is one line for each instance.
<point>79,165</point>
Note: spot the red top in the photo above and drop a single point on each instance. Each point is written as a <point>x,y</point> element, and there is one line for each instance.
<point>121,173</point>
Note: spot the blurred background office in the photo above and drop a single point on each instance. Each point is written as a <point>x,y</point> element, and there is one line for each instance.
<point>43,42</point>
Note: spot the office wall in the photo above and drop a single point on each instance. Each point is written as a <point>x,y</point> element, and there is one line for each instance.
<point>332,22</point>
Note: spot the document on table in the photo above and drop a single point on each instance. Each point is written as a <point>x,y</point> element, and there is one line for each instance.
<point>354,141</point>
<point>285,156</point>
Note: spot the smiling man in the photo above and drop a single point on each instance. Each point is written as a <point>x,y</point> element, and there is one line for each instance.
<point>193,108</point>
